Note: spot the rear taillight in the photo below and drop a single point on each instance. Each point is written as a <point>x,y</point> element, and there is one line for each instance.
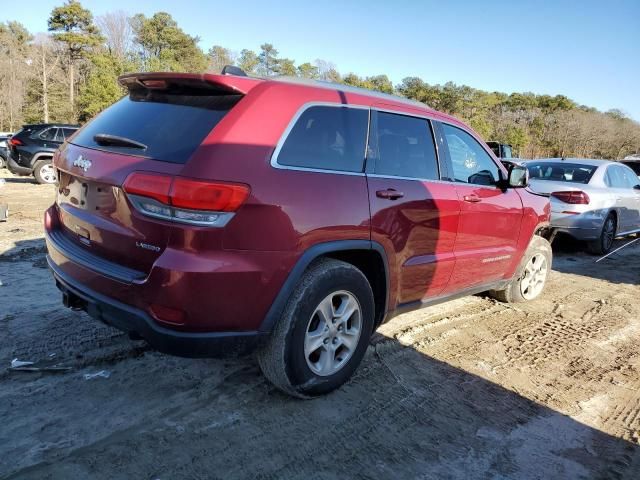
<point>149,185</point>
<point>574,197</point>
<point>15,142</point>
<point>185,200</point>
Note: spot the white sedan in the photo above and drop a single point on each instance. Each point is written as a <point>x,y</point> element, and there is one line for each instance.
<point>591,200</point>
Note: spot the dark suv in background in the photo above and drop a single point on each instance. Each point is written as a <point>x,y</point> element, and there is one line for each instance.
<point>31,149</point>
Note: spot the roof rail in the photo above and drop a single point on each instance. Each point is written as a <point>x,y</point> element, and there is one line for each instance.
<point>348,88</point>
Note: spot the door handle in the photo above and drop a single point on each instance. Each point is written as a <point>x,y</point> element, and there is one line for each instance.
<point>473,198</point>
<point>389,194</point>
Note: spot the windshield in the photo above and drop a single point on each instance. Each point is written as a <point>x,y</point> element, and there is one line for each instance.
<point>561,172</point>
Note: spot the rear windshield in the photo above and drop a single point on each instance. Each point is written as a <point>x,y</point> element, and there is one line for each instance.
<point>561,172</point>
<point>171,125</point>
<point>633,165</point>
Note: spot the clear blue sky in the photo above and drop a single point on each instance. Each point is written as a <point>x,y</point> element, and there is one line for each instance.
<point>587,50</point>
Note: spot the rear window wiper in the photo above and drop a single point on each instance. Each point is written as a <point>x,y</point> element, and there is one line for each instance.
<point>116,141</point>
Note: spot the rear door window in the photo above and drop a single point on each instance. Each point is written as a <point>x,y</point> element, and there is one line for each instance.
<point>471,163</point>
<point>48,134</point>
<point>327,138</point>
<point>405,147</point>
<point>170,125</point>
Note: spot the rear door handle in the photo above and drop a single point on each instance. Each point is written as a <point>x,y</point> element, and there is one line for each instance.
<point>389,194</point>
<point>473,198</point>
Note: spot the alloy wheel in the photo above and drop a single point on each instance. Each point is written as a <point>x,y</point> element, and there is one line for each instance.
<point>608,233</point>
<point>534,277</point>
<point>333,333</point>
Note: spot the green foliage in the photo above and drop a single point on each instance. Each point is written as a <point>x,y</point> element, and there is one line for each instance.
<point>101,88</point>
<point>72,25</point>
<point>248,61</point>
<point>306,70</point>
<point>13,33</point>
<point>268,60</point>
<point>286,67</point>
<point>166,47</point>
<point>219,57</point>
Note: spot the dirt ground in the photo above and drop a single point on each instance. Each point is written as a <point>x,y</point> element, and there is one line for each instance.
<point>468,389</point>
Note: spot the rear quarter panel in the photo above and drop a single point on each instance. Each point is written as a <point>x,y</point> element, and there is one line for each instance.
<point>288,210</point>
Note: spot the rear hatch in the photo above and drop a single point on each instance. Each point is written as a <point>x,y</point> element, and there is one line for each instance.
<point>155,128</point>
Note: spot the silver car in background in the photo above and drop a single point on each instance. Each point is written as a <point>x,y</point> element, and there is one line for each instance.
<point>591,200</point>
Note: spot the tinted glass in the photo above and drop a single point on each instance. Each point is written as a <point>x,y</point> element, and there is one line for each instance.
<point>59,135</point>
<point>635,166</point>
<point>68,132</point>
<point>327,138</point>
<point>495,147</point>
<point>471,163</point>
<point>405,147</point>
<point>171,125</point>
<point>48,134</point>
<point>561,172</point>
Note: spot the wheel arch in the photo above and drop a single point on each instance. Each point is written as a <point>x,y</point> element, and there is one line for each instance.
<point>356,252</point>
<point>40,156</point>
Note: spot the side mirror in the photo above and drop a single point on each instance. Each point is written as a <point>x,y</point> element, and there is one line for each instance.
<point>637,187</point>
<point>518,176</point>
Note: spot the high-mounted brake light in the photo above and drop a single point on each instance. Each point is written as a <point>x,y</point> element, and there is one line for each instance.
<point>576,197</point>
<point>154,84</point>
<point>183,199</point>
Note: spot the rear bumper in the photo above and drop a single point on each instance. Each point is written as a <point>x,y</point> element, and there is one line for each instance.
<point>17,169</point>
<point>132,320</point>
<point>582,226</point>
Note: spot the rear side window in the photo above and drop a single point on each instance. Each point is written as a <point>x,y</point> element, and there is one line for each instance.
<point>620,177</point>
<point>171,125</point>
<point>327,138</point>
<point>48,134</point>
<point>405,147</point>
<point>68,132</point>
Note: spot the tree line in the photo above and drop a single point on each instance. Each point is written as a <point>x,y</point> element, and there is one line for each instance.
<point>69,73</point>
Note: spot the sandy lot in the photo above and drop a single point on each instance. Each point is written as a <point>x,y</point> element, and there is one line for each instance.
<point>469,389</point>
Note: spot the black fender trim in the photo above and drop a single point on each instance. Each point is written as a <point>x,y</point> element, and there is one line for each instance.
<point>314,252</point>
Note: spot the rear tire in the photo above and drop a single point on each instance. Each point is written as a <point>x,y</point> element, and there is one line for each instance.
<point>306,357</point>
<point>604,243</point>
<point>45,172</point>
<point>3,162</point>
<point>531,276</point>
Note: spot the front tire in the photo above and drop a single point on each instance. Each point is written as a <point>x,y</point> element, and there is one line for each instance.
<point>45,172</point>
<point>323,333</point>
<point>531,276</point>
<point>604,243</point>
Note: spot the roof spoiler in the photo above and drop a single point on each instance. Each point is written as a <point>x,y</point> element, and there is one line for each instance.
<point>230,83</point>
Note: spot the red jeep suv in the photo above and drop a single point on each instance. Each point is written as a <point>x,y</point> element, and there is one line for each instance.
<point>208,213</point>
